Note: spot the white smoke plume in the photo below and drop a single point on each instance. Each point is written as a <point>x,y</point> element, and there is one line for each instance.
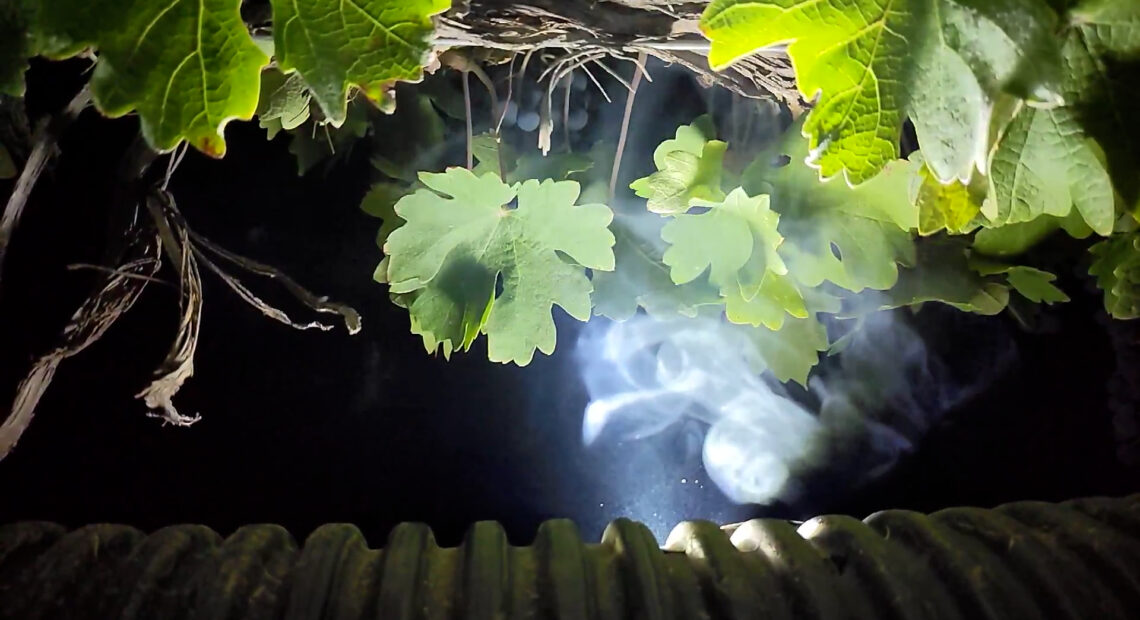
<point>864,410</point>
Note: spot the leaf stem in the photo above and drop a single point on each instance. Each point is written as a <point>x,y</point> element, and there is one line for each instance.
<point>625,123</point>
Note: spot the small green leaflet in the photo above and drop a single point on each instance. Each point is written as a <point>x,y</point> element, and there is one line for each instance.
<point>368,44</point>
<point>853,237</point>
<point>953,207</point>
<point>284,102</point>
<point>736,242</point>
<point>641,278</point>
<point>1033,284</point>
<point>1116,266</point>
<point>187,67</point>
<point>460,238</point>
<point>689,168</point>
<point>943,63</point>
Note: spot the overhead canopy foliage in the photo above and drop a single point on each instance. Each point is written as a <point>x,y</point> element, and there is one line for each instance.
<point>188,67</point>
<point>1020,107</point>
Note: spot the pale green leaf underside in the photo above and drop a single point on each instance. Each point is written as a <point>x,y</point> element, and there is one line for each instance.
<point>688,168</point>
<point>876,62</point>
<point>460,237</point>
<point>187,67</point>
<point>367,44</point>
<point>284,102</point>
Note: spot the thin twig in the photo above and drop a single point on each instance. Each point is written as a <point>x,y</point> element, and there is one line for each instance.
<point>625,124</point>
<point>321,304</point>
<point>120,271</point>
<point>597,84</point>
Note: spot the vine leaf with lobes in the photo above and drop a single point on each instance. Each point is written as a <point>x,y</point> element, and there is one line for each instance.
<point>467,262</point>
<point>874,63</point>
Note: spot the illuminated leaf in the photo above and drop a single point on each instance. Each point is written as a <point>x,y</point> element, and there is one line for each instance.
<point>187,67</point>
<point>461,239</point>
<point>367,44</point>
<point>953,207</point>
<point>874,63</point>
<point>689,168</point>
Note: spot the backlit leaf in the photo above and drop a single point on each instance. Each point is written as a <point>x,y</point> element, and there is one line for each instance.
<point>187,67</point>
<point>874,63</point>
<point>366,44</point>
<point>689,167</point>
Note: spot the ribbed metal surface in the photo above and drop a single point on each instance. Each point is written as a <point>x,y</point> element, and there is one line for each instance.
<point>1079,559</point>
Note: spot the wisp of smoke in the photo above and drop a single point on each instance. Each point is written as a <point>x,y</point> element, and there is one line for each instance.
<point>863,411</point>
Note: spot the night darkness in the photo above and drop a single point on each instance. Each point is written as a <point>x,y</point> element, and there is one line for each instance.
<point>304,428</point>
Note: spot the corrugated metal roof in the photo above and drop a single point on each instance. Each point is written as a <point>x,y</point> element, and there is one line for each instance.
<point>1079,559</point>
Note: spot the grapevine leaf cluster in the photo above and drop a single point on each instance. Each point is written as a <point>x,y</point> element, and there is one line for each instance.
<point>1020,108</point>
<point>188,67</point>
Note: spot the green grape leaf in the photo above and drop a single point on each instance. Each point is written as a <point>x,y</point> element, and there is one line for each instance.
<point>187,67</point>
<point>736,241</point>
<point>689,167</point>
<point>367,44</point>
<point>1033,284</point>
<point>854,238</point>
<point>1043,165</point>
<point>1116,267</point>
<point>789,352</point>
<point>954,207</point>
<point>461,240</point>
<point>284,103</point>
<point>641,277</point>
<point>941,273</point>
<point>942,63</point>
<point>1102,84</point>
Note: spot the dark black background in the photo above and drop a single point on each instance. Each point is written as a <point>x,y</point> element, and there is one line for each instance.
<point>302,428</point>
